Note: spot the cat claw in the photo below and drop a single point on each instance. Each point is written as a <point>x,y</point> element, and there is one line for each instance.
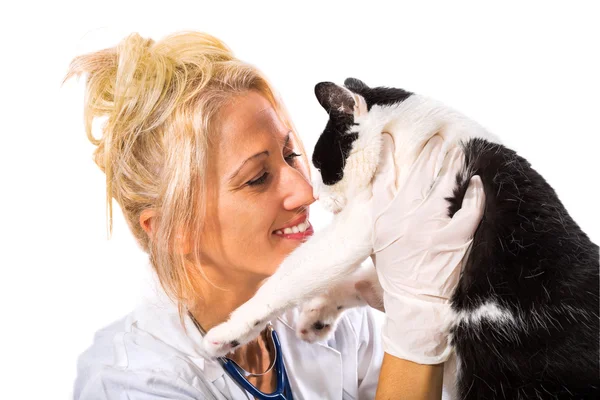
<point>226,337</point>
<point>317,320</point>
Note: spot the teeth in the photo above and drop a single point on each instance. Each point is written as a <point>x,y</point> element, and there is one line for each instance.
<point>301,227</point>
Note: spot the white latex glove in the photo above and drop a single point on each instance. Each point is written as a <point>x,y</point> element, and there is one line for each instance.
<point>418,249</point>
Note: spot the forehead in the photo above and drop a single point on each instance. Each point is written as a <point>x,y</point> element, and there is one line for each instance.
<point>247,123</point>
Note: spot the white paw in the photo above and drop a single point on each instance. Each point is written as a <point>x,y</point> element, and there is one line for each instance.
<point>224,338</point>
<point>318,319</point>
<point>319,316</point>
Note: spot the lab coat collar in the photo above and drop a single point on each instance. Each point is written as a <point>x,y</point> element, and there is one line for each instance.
<point>160,317</point>
<point>317,366</point>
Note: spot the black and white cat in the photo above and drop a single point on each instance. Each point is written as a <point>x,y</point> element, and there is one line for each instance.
<point>526,320</point>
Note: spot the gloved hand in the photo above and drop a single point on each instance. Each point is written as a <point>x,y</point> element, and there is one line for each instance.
<point>418,249</point>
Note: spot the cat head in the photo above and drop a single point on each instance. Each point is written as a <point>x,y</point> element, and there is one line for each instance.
<point>347,152</point>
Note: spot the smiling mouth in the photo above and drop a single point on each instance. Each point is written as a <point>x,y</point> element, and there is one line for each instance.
<point>299,231</point>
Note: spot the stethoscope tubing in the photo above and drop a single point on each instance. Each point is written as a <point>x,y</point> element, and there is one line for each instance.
<point>283,390</point>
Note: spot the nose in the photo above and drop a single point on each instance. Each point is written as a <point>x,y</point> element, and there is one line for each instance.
<point>297,190</point>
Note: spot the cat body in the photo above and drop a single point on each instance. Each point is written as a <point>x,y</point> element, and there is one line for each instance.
<point>525,312</point>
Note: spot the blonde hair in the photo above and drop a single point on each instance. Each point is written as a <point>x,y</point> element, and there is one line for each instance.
<point>160,99</point>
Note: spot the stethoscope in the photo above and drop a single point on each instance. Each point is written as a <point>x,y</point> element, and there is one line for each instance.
<point>240,376</point>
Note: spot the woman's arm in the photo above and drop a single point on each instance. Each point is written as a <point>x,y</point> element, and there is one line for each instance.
<point>402,379</point>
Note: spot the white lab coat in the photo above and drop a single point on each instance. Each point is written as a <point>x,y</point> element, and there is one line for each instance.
<point>148,355</point>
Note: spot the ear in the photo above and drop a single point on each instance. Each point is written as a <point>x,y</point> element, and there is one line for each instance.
<point>334,98</point>
<point>146,219</point>
<point>182,244</point>
<point>360,105</point>
<point>355,85</point>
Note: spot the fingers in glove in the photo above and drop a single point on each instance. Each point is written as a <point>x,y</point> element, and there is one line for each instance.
<point>422,173</point>
<point>446,180</point>
<point>384,184</point>
<point>370,295</point>
<point>466,220</point>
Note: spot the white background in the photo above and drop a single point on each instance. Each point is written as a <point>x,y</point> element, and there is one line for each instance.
<point>528,71</point>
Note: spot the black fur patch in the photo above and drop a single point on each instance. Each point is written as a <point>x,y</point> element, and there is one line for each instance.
<point>383,96</point>
<point>333,147</point>
<point>529,257</point>
<point>335,143</point>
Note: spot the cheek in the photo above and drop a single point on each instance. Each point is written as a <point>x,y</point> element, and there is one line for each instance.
<point>236,233</point>
<point>247,220</point>
<point>247,239</point>
<point>227,225</point>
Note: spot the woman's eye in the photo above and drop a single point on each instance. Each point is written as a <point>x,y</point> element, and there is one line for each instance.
<point>290,157</point>
<point>258,181</point>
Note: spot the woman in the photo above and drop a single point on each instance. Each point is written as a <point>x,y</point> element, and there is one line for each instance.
<point>201,157</point>
<point>205,164</point>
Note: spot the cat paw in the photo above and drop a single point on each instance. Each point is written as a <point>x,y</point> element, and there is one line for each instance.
<point>226,337</point>
<point>318,319</point>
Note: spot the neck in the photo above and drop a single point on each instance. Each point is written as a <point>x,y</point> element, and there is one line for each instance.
<point>223,291</point>
<point>229,291</point>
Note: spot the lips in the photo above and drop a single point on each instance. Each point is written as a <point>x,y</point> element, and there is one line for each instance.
<point>297,229</point>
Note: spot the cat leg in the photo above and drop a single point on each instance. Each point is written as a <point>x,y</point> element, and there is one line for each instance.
<point>323,261</point>
<point>319,316</point>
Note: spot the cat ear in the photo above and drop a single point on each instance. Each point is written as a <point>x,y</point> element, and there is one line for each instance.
<point>355,85</point>
<point>334,98</point>
<point>360,105</point>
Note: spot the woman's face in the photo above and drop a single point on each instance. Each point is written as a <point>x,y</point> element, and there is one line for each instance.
<point>258,192</point>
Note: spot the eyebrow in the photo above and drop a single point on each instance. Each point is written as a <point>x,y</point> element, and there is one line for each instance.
<point>233,175</point>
